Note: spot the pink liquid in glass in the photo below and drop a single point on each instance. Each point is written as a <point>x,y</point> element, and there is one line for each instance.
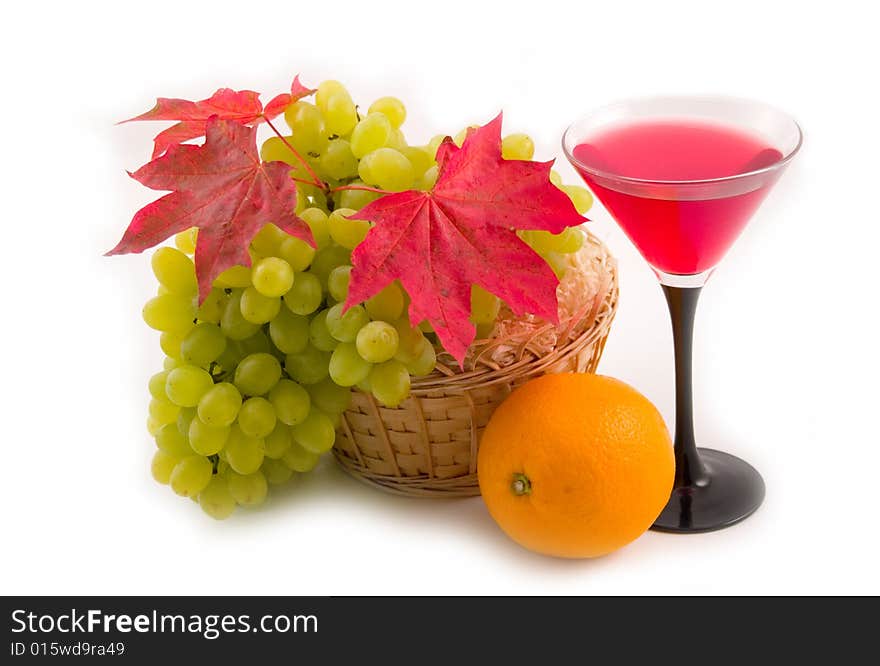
<point>678,227</point>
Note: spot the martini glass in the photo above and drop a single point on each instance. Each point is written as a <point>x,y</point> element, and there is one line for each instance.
<point>682,176</point>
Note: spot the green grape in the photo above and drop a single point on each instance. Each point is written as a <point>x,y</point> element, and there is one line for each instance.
<point>290,401</point>
<point>411,341</point>
<point>328,259</point>
<point>392,108</point>
<point>347,232</point>
<point>256,418</point>
<point>289,332</point>
<point>377,342</point>
<point>434,144</point>
<point>256,308</point>
<point>517,147</point>
<point>335,419</point>
<point>369,134</point>
<point>274,149</point>
<point>319,334</point>
<point>243,452</point>
<point>326,90</point>
<point>256,344</point>
<point>419,158</point>
<point>236,277</point>
<point>161,290</point>
<point>247,489</point>
<point>428,180</point>
<point>256,374</point>
<point>207,440</point>
<point>365,173</point>
<point>203,344</point>
<point>364,385</point>
<point>345,326</point>
<point>211,310</point>
<point>171,363</point>
<point>186,385</point>
<point>169,440</point>
<point>390,383</point>
<point>163,411</point>
<point>191,475</point>
<point>571,240</point>
<point>558,262</point>
<point>170,344</point>
<point>397,140</point>
<point>307,126</point>
<point>157,385</point>
<point>337,283</point>
<point>309,366</point>
<point>186,240</point>
<point>316,433</point>
<point>297,253</point>
<point>276,472</point>
<point>329,397</point>
<point>216,500</point>
<point>162,466</point>
<point>484,305</point>
<point>484,331</point>
<point>555,178</point>
<point>233,324</point>
<point>184,418</point>
<point>272,277</point>
<point>388,169</point>
<point>220,405</point>
<point>231,355</point>
<point>170,312</point>
<point>153,426</point>
<point>580,197</point>
<point>299,459</point>
<point>338,161</point>
<point>305,295</point>
<point>174,271</point>
<point>268,240</point>
<point>347,367</point>
<point>317,221</point>
<point>277,441</point>
<point>340,114</point>
<point>356,199</point>
<point>425,363</point>
<point>387,305</point>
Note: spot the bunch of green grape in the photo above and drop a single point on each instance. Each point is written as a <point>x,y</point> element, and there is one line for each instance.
<point>256,378</point>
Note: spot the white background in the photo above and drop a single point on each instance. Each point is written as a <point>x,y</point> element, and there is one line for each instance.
<point>786,350</point>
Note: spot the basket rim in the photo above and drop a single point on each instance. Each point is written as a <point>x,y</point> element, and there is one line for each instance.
<point>602,310</point>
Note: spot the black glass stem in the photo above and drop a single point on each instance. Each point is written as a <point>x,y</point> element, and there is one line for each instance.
<point>712,489</point>
<point>682,310</point>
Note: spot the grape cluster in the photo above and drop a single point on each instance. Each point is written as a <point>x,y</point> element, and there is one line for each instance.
<point>256,378</point>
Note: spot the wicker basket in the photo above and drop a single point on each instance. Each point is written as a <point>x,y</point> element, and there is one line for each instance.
<point>427,447</point>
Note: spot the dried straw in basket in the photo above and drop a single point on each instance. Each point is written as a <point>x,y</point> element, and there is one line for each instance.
<point>427,447</point>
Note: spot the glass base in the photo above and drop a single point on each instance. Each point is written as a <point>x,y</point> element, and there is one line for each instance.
<point>732,491</point>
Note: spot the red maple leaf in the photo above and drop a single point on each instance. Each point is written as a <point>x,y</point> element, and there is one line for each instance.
<point>223,189</point>
<point>241,105</point>
<point>439,243</point>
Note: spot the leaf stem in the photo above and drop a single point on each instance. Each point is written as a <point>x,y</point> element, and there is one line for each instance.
<point>317,182</point>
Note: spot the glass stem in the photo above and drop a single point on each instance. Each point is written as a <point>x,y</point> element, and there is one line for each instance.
<point>682,301</point>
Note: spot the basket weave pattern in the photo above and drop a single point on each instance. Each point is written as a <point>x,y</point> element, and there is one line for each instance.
<point>427,447</point>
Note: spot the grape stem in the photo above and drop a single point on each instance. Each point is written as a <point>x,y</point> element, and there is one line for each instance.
<point>365,188</point>
<point>317,182</point>
<point>303,181</point>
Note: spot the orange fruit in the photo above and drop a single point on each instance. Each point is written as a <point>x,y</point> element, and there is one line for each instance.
<point>575,465</point>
